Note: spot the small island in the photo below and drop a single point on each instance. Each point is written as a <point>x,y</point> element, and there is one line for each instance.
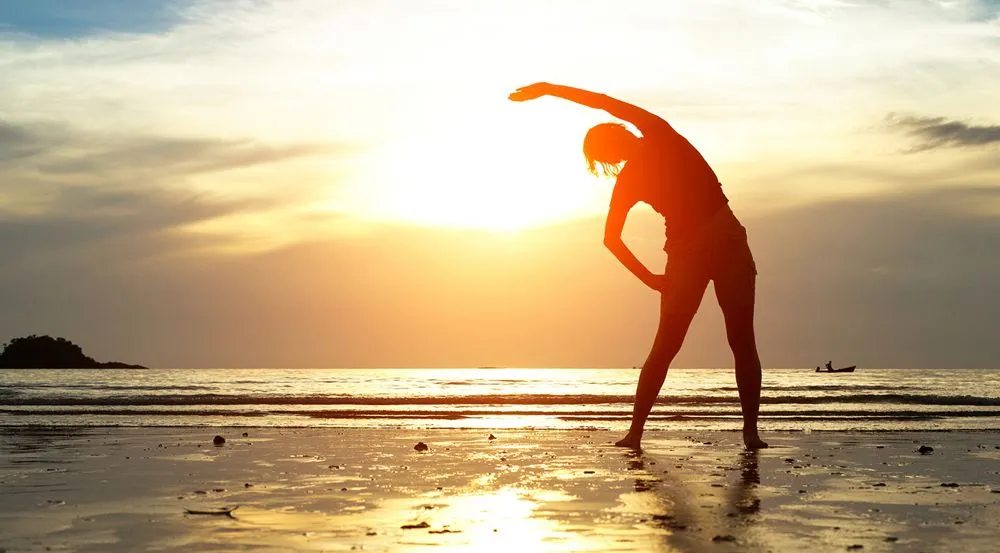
<point>46,352</point>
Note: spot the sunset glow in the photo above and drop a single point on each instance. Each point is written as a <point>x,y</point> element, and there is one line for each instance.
<point>504,170</point>
<point>205,154</point>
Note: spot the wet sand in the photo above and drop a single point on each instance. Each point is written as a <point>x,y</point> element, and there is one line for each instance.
<point>127,490</point>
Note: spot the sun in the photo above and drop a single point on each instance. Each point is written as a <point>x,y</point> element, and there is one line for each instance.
<point>505,169</point>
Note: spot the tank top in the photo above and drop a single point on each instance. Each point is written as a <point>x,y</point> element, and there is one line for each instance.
<point>675,180</point>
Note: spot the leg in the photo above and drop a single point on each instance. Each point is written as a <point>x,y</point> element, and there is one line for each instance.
<point>684,288</point>
<point>735,289</point>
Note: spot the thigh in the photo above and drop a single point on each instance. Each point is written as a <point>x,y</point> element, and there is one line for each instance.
<point>735,279</point>
<point>685,281</point>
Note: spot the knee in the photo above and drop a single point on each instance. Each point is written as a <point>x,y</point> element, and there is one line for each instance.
<point>665,348</point>
<point>745,354</point>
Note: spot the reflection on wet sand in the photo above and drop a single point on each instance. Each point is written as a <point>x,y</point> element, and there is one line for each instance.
<point>683,507</point>
<point>123,490</point>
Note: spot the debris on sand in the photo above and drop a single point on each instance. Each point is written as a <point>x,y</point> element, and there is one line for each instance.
<point>949,484</point>
<point>421,446</point>
<point>925,449</point>
<point>727,537</point>
<point>220,511</point>
<point>245,435</point>
<point>444,531</point>
<point>492,437</point>
<point>415,526</point>
<point>218,440</point>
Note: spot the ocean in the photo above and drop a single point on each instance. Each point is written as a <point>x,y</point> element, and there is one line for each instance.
<point>691,399</point>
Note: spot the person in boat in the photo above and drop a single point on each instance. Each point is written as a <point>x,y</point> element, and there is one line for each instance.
<point>705,242</point>
<point>829,365</point>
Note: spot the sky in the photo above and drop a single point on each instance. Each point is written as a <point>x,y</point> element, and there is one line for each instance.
<point>337,183</point>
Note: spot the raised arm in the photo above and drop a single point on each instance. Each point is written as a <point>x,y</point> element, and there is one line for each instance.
<point>645,121</point>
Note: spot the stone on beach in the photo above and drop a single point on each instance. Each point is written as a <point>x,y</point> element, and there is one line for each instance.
<point>218,440</point>
<point>925,449</point>
<point>421,446</point>
<point>492,437</point>
<point>223,511</point>
<point>415,526</point>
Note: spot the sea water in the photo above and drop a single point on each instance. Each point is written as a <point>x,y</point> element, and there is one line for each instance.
<point>792,399</point>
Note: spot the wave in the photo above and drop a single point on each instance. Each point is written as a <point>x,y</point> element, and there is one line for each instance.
<point>516,399</point>
<point>117,387</point>
<point>831,388</point>
<point>824,415</point>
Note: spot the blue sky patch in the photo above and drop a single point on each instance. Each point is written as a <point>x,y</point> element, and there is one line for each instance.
<point>76,18</point>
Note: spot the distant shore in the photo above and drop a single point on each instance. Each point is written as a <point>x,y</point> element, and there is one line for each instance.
<point>47,352</point>
<point>105,365</point>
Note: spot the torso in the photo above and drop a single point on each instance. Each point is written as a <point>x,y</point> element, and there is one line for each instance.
<point>676,181</point>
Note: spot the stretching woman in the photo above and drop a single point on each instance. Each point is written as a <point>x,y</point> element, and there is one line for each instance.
<point>705,242</point>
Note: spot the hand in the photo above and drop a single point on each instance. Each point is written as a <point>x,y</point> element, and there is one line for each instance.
<point>530,92</point>
<point>657,282</point>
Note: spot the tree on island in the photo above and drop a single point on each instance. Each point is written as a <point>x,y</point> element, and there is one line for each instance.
<point>46,352</point>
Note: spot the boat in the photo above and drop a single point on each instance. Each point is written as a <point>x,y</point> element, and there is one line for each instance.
<point>840,370</point>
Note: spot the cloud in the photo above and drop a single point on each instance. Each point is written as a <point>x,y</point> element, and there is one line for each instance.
<point>87,226</point>
<point>58,149</point>
<point>938,132</point>
<point>65,188</point>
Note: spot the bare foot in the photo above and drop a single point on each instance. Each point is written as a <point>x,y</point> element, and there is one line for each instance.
<point>751,440</point>
<point>629,441</point>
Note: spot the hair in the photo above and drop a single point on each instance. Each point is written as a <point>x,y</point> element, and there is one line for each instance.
<point>595,148</point>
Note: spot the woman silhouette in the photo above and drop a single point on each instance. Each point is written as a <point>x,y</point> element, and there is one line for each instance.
<point>705,242</point>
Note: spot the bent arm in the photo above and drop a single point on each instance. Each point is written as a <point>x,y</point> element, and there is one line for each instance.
<point>617,214</point>
<point>645,121</point>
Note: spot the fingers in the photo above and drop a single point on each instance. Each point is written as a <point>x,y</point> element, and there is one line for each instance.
<point>528,92</point>
<point>521,95</point>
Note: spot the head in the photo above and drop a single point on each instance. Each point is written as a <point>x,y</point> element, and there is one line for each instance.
<point>608,145</point>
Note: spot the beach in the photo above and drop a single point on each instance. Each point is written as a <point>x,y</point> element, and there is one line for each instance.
<point>325,489</point>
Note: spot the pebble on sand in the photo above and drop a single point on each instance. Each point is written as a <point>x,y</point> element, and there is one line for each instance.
<point>925,449</point>
<point>245,435</point>
<point>218,440</point>
<point>421,446</point>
